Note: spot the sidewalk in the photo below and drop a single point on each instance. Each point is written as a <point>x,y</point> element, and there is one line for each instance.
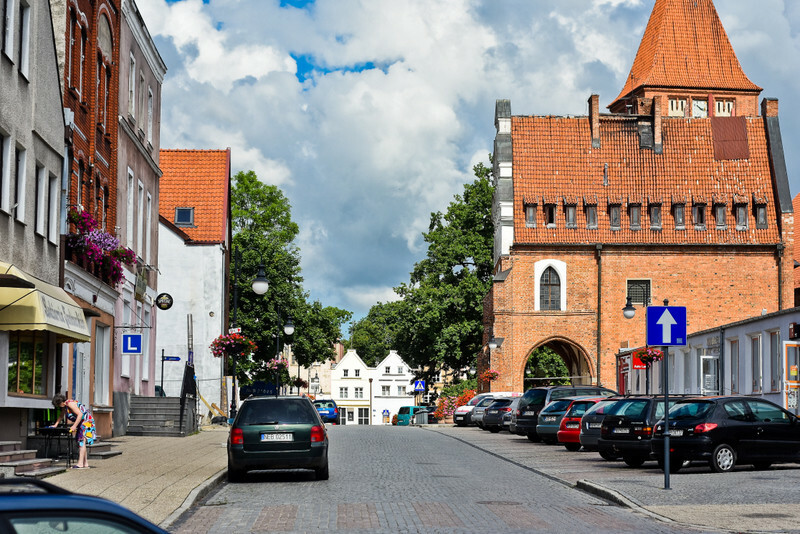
<point>155,477</point>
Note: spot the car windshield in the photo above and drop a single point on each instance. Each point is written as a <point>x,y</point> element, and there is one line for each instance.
<point>690,410</point>
<point>500,403</point>
<point>632,408</point>
<point>324,404</point>
<point>404,410</point>
<point>486,402</point>
<point>579,408</point>
<point>277,411</point>
<point>600,408</point>
<point>557,406</point>
<point>475,400</point>
<point>534,396</point>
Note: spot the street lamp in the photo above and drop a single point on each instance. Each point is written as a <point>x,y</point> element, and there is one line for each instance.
<point>315,383</point>
<point>288,329</point>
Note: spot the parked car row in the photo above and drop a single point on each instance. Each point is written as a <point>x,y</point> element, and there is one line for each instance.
<point>722,431</point>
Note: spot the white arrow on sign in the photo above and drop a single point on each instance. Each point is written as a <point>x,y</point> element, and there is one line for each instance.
<point>666,321</point>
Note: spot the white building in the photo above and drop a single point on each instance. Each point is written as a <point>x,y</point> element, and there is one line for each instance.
<point>371,395</point>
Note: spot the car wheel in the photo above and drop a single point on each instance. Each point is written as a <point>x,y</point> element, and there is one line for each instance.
<point>235,475</point>
<point>572,447</point>
<point>494,429</point>
<point>761,465</point>
<point>723,459</point>
<point>633,460</point>
<point>610,456</point>
<point>534,437</point>
<point>321,473</point>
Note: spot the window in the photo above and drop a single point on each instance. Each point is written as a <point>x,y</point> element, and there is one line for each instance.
<point>755,362</point>
<point>530,216</point>
<point>8,28</point>
<point>401,390</point>
<point>148,221</point>
<point>107,80</point>
<point>40,211</point>
<point>129,222</point>
<point>615,217</point>
<point>386,390</point>
<point>342,393</point>
<point>81,61</point>
<point>20,186</point>
<point>149,115</point>
<point>132,89</point>
<point>27,358</point>
<point>363,416</point>
<point>79,196</point>
<point>655,216</point>
<point>734,366</point>
<point>569,213</point>
<point>387,370</point>
<point>5,171</point>
<point>24,37</point>
<point>400,370</point>
<point>636,216</point>
<point>774,360</point>
<point>357,372</point>
<point>591,217</point>
<point>723,108</point>
<point>53,198</point>
<point>699,109</point>
<point>68,61</point>
<point>350,416</point>
<point>184,216</point>
<point>680,216</point>
<point>639,292</point>
<point>141,94</point>
<point>719,215</point>
<point>550,215</point>
<point>125,361</point>
<point>677,107</point>
<point>741,216</point>
<point>140,219</point>
<point>358,393</point>
<point>345,373</point>
<point>765,412</point>
<point>699,216</point>
<point>761,216</point>
<point>550,290</point>
<point>687,372</point>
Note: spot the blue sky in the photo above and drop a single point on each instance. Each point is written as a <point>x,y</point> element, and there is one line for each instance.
<point>370,114</point>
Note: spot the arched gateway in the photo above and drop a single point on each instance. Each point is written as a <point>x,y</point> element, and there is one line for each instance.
<point>576,359</point>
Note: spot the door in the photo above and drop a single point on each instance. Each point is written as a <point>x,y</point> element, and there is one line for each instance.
<point>791,378</point>
<point>343,416</point>
<point>777,431</point>
<point>709,375</point>
<point>80,372</point>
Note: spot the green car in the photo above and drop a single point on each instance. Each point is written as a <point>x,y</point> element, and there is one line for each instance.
<point>277,433</point>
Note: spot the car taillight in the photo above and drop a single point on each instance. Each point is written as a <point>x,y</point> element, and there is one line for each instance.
<point>645,431</point>
<point>237,436</point>
<point>505,409</point>
<point>519,412</point>
<point>335,411</point>
<point>704,427</point>
<point>317,434</point>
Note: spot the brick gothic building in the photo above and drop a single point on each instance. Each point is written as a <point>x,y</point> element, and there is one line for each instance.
<point>680,193</point>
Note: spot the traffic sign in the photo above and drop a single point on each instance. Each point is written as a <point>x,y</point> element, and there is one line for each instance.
<point>172,358</point>
<point>666,326</point>
<point>419,385</point>
<point>131,343</point>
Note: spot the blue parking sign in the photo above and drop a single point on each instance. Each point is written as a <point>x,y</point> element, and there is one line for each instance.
<point>131,343</point>
<point>666,326</point>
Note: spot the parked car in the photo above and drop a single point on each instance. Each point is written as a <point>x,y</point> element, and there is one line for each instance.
<point>493,416</point>
<point>283,432</point>
<point>526,416</point>
<point>627,428</point>
<point>507,417</point>
<point>405,415</point>
<point>480,409</point>
<point>590,426</point>
<point>550,419</point>
<point>32,505</point>
<point>569,429</point>
<point>726,431</point>
<point>327,410</point>
<point>463,414</point>
<point>425,415</point>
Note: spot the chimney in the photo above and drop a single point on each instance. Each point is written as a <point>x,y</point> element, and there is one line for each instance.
<point>658,148</point>
<point>769,107</point>
<point>594,120</point>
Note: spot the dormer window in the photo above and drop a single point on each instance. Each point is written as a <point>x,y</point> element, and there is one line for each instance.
<point>184,216</point>
<point>719,215</point>
<point>530,215</point>
<point>699,216</point>
<point>550,215</point>
<point>741,216</point>
<point>569,214</point>
<point>679,213</point>
<point>635,213</point>
<point>614,216</point>
<point>677,107</point>
<point>700,109</point>
<point>761,216</point>
<point>591,217</point>
<point>723,107</point>
<point>655,216</point>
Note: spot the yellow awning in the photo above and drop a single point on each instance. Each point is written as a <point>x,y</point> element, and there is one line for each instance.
<point>36,305</point>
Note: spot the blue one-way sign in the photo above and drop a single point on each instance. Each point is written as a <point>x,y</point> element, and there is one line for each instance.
<point>131,343</point>
<point>666,326</point>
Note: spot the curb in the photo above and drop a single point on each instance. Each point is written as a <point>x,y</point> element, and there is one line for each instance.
<point>196,494</point>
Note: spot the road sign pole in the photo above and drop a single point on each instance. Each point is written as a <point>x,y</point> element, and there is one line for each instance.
<point>665,370</point>
<point>162,370</point>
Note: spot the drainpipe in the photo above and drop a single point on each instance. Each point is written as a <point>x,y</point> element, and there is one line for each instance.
<point>599,249</point>
<point>721,361</point>
<point>780,276</point>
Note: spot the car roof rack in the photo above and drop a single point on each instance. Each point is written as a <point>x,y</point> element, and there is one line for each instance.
<point>21,482</point>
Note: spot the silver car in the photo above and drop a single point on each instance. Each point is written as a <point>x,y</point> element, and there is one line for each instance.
<point>480,409</point>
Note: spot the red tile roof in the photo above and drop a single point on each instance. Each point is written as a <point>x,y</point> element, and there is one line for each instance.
<point>198,179</point>
<point>685,45</point>
<point>553,161</point>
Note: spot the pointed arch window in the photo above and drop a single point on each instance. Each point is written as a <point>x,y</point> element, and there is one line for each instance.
<point>550,290</point>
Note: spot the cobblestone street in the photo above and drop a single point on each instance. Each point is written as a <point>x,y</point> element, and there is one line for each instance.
<point>393,479</point>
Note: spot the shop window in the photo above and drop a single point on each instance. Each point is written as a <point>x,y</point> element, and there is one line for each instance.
<point>27,357</point>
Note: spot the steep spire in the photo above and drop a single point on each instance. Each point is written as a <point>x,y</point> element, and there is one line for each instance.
<point>685,46</point>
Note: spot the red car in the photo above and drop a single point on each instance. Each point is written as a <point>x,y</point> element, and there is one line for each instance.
<point>570,430</point>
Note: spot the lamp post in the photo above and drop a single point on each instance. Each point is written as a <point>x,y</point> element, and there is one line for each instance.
<point>629,311</point>
<point>315,384</point>
<point>288,329</point>
<point>494,344</point>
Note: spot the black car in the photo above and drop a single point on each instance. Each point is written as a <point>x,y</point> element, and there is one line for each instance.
<point>591,422</point>
<point>493,416</point>
<point>726,431</point>
<point>627,428</point>
<point>526,416</point>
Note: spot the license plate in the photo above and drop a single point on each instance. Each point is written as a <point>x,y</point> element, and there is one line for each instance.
<point>676,433</point>
<point>572,425</point>
<point>277,437</point>
<point>492,411</point>
<point>549,419</point>
<point>459,417</point>
<point>593,425</point>
<point>529,413</point>
<point>620,430</point>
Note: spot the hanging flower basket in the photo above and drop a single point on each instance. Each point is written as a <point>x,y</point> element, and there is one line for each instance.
<point>232,345</point>
<point>299,383</point>
<point>490,375</point>
<point>278,364</point>
<point>648,355</point>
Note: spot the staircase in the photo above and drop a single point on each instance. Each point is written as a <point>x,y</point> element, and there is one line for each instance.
<point>16,462</point>
<point>101,450</point>
<point>160,416</point>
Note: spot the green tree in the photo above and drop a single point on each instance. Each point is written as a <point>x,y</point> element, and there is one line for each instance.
<point>264,234</point>
<point>441,317</point>
<point>544,363</point>
<point>374,335</point>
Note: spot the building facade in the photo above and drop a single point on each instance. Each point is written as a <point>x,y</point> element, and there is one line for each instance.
<point>680,193</point>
